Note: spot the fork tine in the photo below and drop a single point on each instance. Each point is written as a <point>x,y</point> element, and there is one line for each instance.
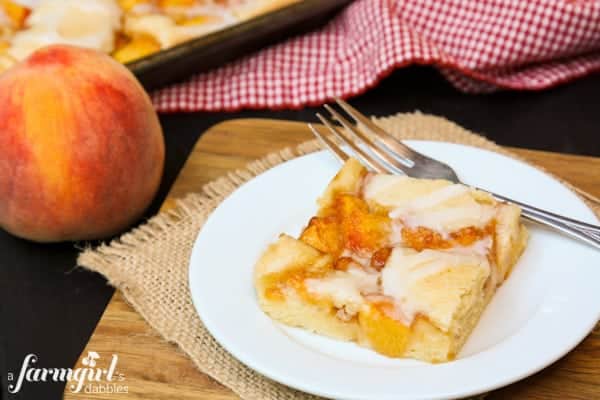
<point>364,157</point>
<point>339,153</point>
<point>387,139</point>
<point>362,138</point>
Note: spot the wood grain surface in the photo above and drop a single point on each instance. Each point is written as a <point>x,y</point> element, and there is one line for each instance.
<point>155,369</point>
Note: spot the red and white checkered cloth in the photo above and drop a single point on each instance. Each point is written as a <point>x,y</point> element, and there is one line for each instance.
<point>479,46</point>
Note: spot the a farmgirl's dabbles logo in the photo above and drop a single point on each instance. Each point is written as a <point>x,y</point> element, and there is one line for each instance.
<point>93,377</point>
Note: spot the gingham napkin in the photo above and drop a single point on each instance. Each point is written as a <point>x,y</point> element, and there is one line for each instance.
<point>479,46</point>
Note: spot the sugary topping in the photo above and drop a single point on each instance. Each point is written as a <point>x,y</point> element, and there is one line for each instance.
<point>450,219</point>
<point>397,288</point>
<point>428,201</point>
<point>197,10</point>
<point>345,288</point>
<point>438,205</point>
<point>481,247</point>
<point>406,269</point>
<point>392,191</point>
<point>127,29</point>
<point>357,258</point>
<point>92,24</point>
<point>168,33</point>
<point>396,235</point>
<point>143,8</point>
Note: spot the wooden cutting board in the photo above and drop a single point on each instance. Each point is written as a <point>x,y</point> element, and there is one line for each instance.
<point>154,369</point>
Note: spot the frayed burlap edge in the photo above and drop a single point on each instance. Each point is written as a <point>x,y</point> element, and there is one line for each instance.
<point>150,263</point>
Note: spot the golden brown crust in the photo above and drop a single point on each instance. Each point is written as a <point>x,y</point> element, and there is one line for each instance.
<point>347,180</point>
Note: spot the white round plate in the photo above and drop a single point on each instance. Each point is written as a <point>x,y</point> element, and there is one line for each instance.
<point>546,307</point>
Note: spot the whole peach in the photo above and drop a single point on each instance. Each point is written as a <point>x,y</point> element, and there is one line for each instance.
<point>81,148</point>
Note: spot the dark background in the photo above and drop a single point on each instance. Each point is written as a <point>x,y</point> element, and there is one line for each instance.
<point>50,308</point>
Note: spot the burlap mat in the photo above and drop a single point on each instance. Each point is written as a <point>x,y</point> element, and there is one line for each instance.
<point>150,264</point>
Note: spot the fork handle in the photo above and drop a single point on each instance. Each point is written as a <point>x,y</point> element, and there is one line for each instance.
<point>583,231</point>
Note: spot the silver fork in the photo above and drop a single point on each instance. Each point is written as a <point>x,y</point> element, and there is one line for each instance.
<point>386,154</point>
